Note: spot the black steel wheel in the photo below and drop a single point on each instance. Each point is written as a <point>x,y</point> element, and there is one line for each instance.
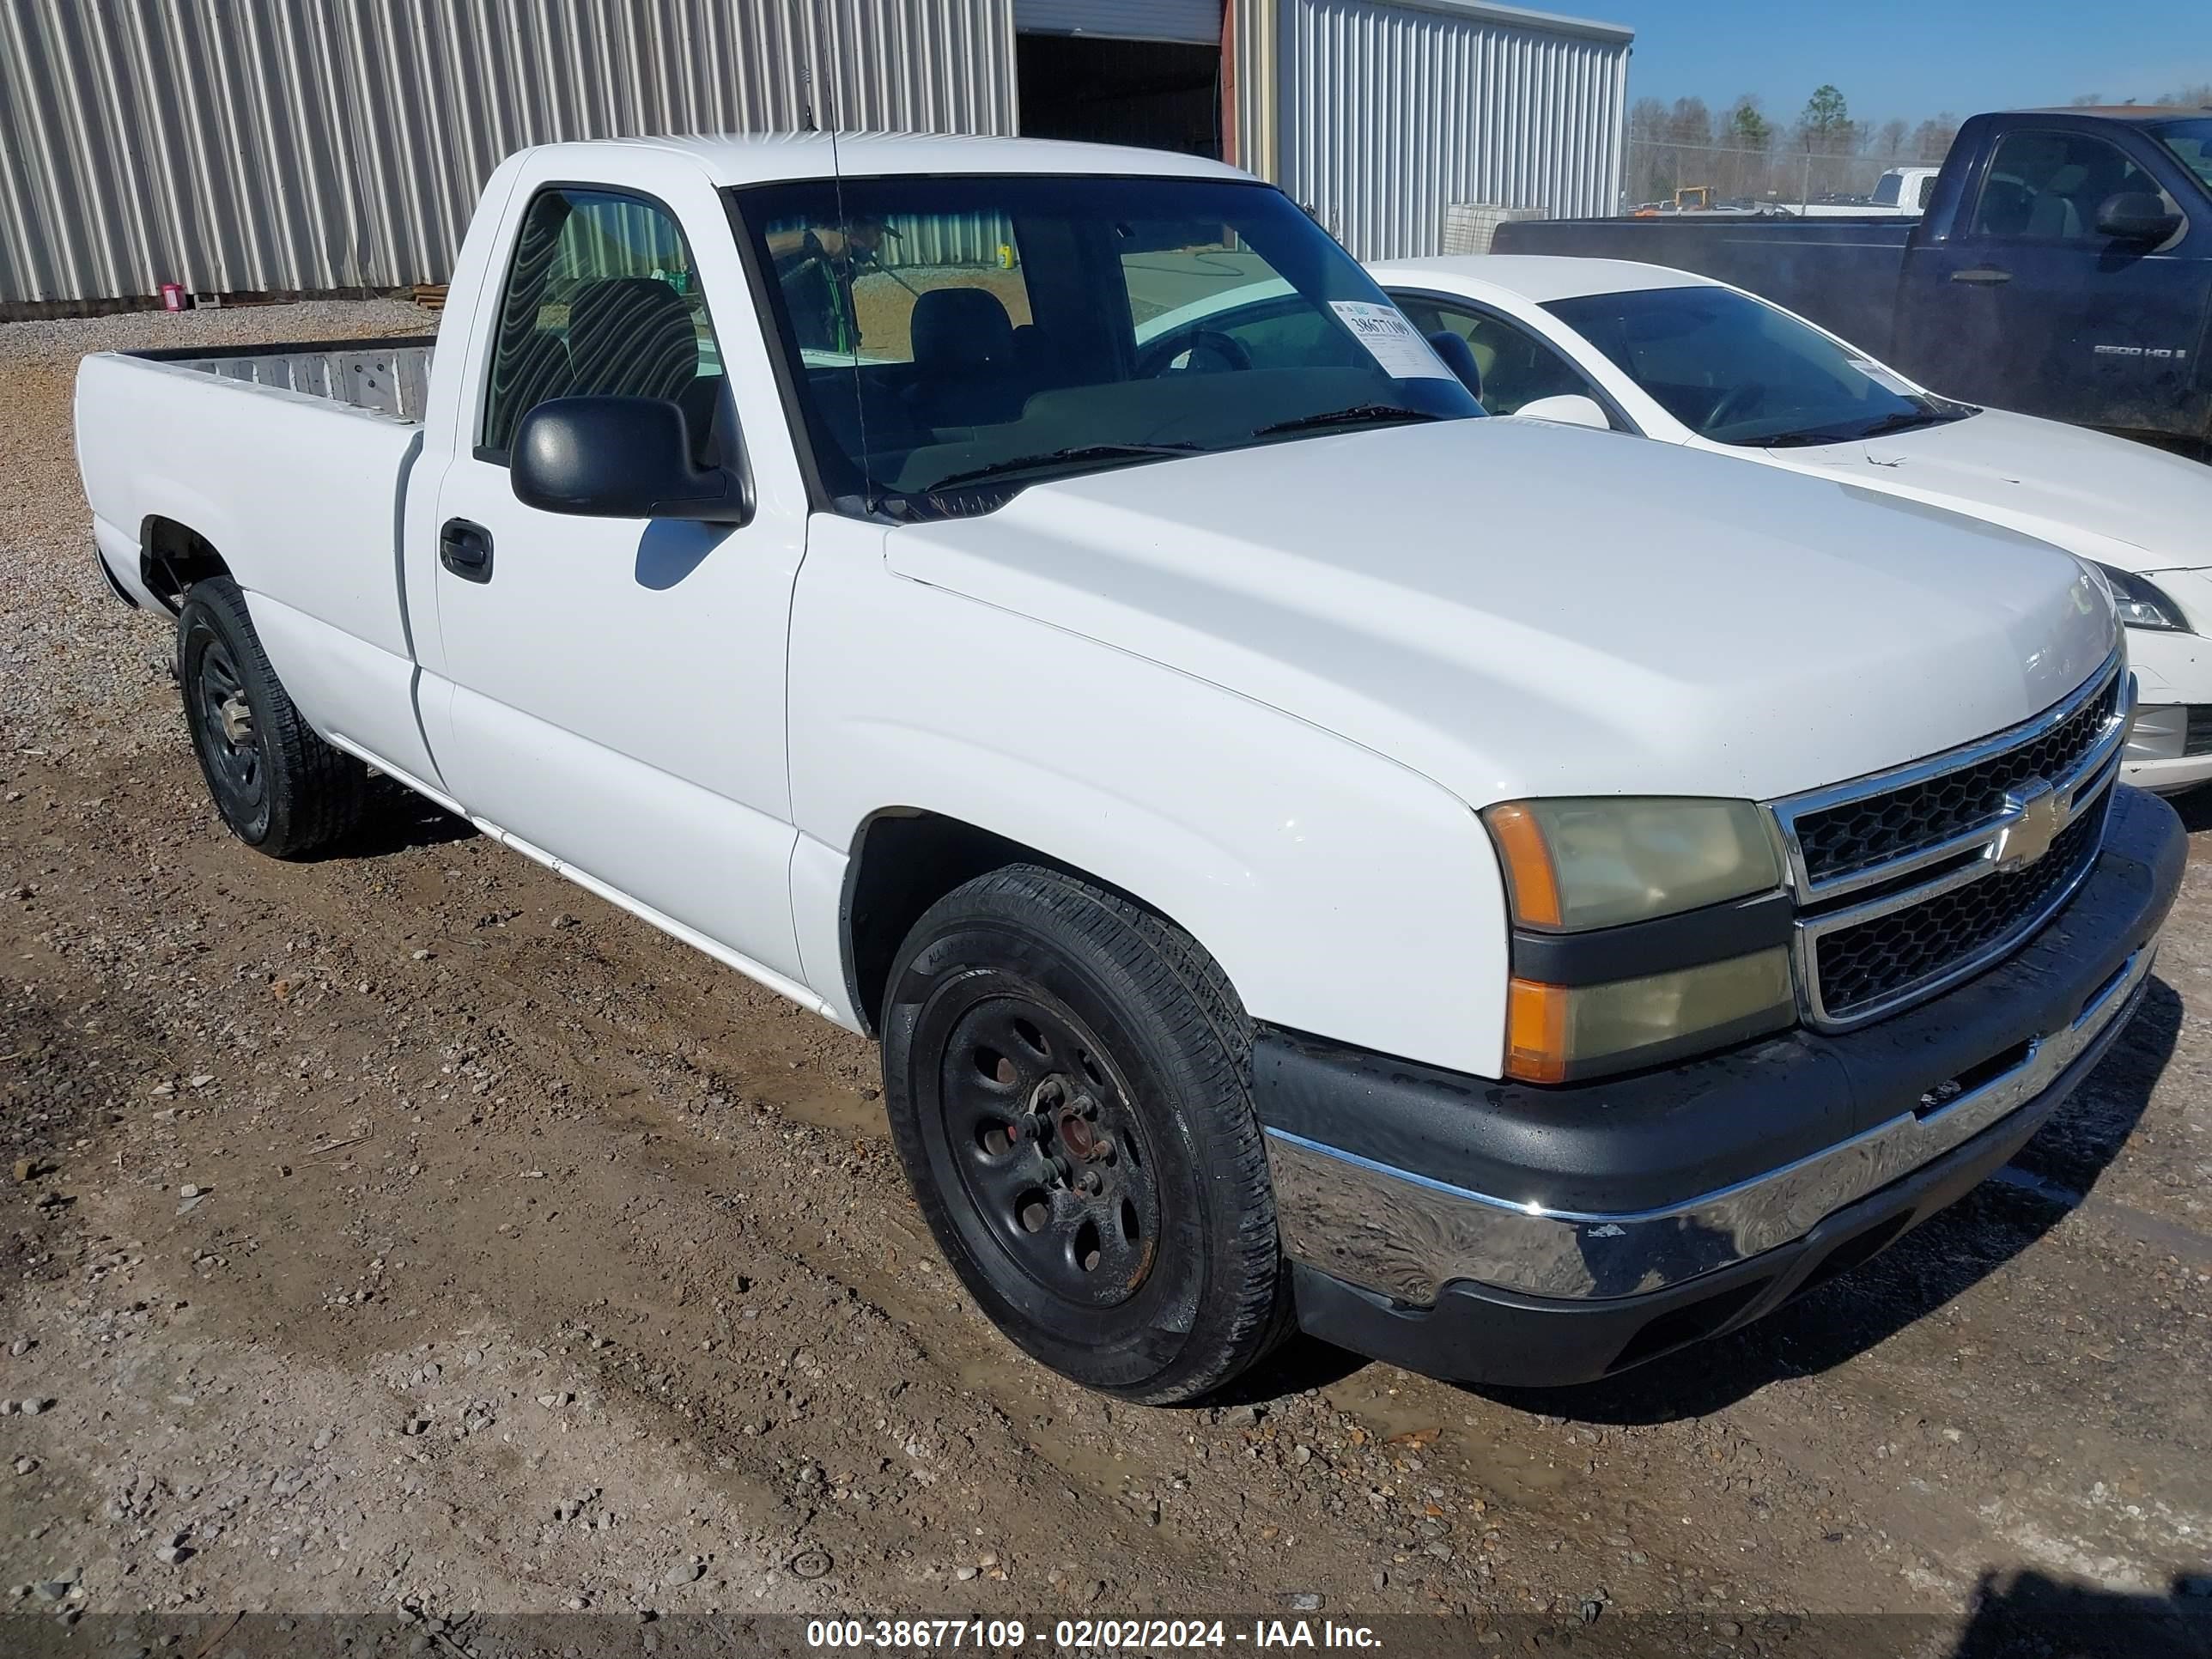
<point>1055,1163</point>
<point>279,786</point>
<point>224,733</point>
<point>1065,1075</point>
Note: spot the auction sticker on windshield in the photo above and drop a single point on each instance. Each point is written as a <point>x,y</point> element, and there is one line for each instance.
<point>1395,343</point>
<point>1887,379</point>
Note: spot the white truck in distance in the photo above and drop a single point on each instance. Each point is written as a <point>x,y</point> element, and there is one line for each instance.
<point>1503,898</point>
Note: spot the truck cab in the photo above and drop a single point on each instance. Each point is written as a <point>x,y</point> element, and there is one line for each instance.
<point>2064,269</point>
<point>1906,189</point>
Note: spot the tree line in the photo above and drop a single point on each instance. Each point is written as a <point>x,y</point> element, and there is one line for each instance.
<point>1823,152</point>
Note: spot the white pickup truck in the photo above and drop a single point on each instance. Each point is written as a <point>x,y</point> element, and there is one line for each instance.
<point>1504,899</point>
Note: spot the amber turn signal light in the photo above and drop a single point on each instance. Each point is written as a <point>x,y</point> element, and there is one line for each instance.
<point>1536,1031</point>
<point>1528,870</point>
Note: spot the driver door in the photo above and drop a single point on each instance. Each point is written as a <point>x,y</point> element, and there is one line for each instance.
<point>616,694</point>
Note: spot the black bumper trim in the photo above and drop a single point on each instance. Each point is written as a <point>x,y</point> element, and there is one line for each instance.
<point>1479,1333</point>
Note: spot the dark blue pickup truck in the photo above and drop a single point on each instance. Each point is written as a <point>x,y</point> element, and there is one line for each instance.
<point>2062,268</point>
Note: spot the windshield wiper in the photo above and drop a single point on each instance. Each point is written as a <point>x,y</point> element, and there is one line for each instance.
<point>1057,458</point>
<point>1357,413</point>
<point>1902,421</point>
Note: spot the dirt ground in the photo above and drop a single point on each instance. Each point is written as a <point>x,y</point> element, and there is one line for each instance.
<point>410,1233</point>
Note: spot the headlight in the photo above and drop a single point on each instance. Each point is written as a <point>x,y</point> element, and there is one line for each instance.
<point>1579,872</point>
<point>2142,604</point>
<point>1600,860</point>
<point>1563,1033</point>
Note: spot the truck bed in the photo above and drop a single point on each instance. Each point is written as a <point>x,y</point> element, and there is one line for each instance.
<point>290,462</point>
<point>386,377</point>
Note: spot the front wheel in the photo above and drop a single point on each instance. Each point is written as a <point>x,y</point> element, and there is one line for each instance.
<point>1065,1075</point>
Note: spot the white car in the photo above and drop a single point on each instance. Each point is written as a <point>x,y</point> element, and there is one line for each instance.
<point>1688,360</point>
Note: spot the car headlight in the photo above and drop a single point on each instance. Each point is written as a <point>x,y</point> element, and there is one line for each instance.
<point>1600,860</point>
<point>2142,604</point>
<point>1644,928</point>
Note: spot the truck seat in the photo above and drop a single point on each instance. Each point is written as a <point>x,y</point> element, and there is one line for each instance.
<point>2056,216</point>
<point>965,373</point>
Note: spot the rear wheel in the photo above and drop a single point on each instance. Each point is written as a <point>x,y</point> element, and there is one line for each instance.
<point>279,786</point>
<point>1065,1075</point>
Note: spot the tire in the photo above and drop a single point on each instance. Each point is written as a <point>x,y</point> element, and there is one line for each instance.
<point>279,786</point>
<point>1033,1017</point>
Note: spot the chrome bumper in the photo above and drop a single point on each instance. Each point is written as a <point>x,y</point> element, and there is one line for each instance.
<point>1406,1236</point>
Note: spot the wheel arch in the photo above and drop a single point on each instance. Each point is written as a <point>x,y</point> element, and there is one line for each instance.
<point>903,859</point>
<point>173,555</point>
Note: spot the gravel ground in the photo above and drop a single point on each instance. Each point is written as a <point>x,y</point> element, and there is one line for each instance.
<point>411,1234</point>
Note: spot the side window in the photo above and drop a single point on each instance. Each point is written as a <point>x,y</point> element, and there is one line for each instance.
<point>1927,191</point>
<point>2047,186</point>
<point>601,299</point>
<point>1516,366</point>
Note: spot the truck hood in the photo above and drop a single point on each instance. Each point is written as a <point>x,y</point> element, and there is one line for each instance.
<point>1513,609</point>
<point>2105,498</point>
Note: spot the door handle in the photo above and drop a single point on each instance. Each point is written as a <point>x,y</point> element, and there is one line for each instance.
<point>465,549</point>
<point>1986,276</point>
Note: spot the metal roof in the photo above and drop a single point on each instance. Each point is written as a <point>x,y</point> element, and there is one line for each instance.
<point>1521,16</point>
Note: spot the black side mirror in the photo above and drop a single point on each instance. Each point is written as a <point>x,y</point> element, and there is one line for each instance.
<point>1458,357</point>
<point>620,457</point>
<point>2136,215</point>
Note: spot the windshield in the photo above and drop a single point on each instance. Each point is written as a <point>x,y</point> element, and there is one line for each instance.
<point>965,334</point>
<point>2193,142</point>
<point>1738,371</point>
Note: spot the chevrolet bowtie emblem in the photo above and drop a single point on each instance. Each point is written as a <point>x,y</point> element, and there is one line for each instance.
<point>2029,837</point>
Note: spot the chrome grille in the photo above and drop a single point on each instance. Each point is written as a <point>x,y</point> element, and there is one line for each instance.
<point>1911,880</point>
<point>1857,835</point>
<point>1862,964</point>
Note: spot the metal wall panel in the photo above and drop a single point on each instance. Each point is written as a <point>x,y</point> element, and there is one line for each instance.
<point>304,145</point>
<point>1197,21</point>
<point>1389,112</point>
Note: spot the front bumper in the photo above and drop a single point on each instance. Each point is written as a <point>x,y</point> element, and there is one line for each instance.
<point>1494,1233</point>
<point>2170,743</point>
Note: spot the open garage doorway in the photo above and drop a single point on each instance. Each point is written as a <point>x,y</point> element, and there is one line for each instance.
<point>1163,95</point>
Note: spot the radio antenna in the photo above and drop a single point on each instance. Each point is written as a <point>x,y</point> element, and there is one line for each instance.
<point>841,280</point>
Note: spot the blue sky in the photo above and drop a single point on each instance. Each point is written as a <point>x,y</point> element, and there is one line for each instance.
<point>1893,59</point>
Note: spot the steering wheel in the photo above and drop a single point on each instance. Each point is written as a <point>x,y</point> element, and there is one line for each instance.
<point>1741,400</point>
<point>1210,342</point>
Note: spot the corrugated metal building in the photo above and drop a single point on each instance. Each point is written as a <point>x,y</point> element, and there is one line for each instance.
<point>302,146</point>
